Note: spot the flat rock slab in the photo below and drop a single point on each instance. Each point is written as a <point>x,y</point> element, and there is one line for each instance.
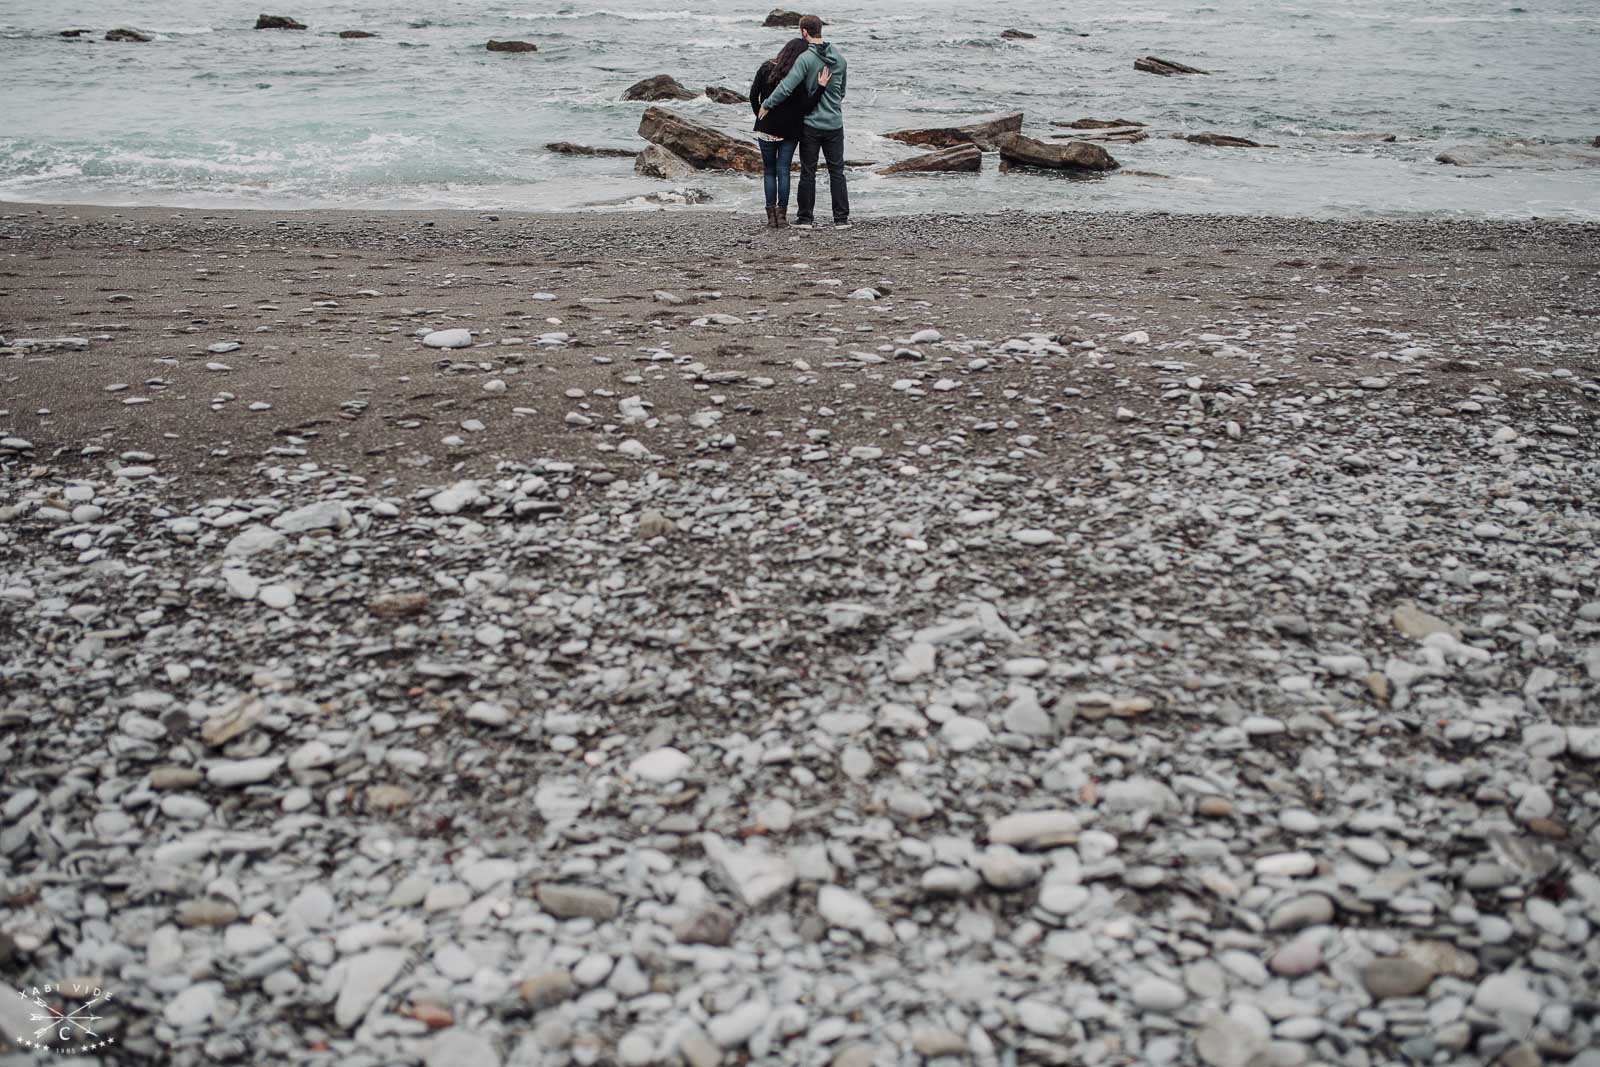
<point>1165,67</point>
<point>1222,140</point>
<point>1074,155</point>
<point>986,132</point>
<point>966,158</point>
<point>702,146</point>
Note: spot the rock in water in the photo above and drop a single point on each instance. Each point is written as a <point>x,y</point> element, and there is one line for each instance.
<point>1096,124</point>
<point>1221,140</point>
<point>725,96</point>
<point>702,146</point>
<point>986,132</point>
<point>961,158</point>
<point>658,162</point>
<point>1018,35</point>
<point>567,148</point>
<point>1074,155</point>
<point>278,22</point>
<point>355,35</point>
<point>1165,67</point>
<point>783,19</point>
<point>512,46</point>
<point>131,36</point>
<point>660,87</point>
<point>1521,153</point>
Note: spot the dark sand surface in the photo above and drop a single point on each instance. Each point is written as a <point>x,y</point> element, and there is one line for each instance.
<point>1277,308</point>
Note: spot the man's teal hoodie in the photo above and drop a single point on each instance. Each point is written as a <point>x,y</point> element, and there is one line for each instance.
<point>829,112</point>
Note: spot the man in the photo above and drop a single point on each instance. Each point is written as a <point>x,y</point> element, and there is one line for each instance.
<point>824,126</point>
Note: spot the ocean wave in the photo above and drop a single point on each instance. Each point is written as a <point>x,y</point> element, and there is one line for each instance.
<point>629,16</point>
<point>181,31</point>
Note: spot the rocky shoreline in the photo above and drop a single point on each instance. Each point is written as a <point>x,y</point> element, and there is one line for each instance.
<point>439,638</point>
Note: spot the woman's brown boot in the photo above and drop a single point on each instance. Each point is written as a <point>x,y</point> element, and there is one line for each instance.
<point>780,218</point>
<point>772,217</point>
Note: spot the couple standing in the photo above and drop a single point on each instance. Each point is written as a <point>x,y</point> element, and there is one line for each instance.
<point>798,98</point>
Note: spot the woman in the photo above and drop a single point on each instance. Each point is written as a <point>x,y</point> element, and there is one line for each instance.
<point>779,133</point>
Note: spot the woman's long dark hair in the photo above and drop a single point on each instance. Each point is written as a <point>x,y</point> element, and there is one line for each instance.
<point>785,59</point>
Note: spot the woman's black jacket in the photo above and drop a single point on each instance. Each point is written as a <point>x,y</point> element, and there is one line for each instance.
<point>788,119</point>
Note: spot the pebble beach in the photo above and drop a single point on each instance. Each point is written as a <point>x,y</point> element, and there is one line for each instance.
<point>511,639</point>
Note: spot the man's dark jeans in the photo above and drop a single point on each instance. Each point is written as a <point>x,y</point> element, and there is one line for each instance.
<point>831,144</point>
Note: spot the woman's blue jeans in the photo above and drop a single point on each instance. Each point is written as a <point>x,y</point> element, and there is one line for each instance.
<point>776,158</point>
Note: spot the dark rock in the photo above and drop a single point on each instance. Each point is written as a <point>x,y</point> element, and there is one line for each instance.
<point>784,19</point>
<point>658,162</point>
<point>1018,35</point>
<point>355,35</point>
<point>661,87</point>
<point>278,22</point>
<point>1165,67</point>
<point>75,33</point>
<point>985,133</point>
<point>1125,135</point>
<point>1221,140</point>
<point>964,157</point>
<point>1595,143</point>
<point>1095,124</point>
<point>128,35</point>
<point>512,46</point>
<point>725,96</point>
<point>567,148</point>
<point>702,146</point>
<point>1075,155</point>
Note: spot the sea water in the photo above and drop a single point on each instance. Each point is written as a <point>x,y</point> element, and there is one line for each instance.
<point>213,113</point>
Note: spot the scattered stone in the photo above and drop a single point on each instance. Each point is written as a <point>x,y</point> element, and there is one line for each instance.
<point>547,990</point>
<point>577,902</point>
<point>1395,977</point>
